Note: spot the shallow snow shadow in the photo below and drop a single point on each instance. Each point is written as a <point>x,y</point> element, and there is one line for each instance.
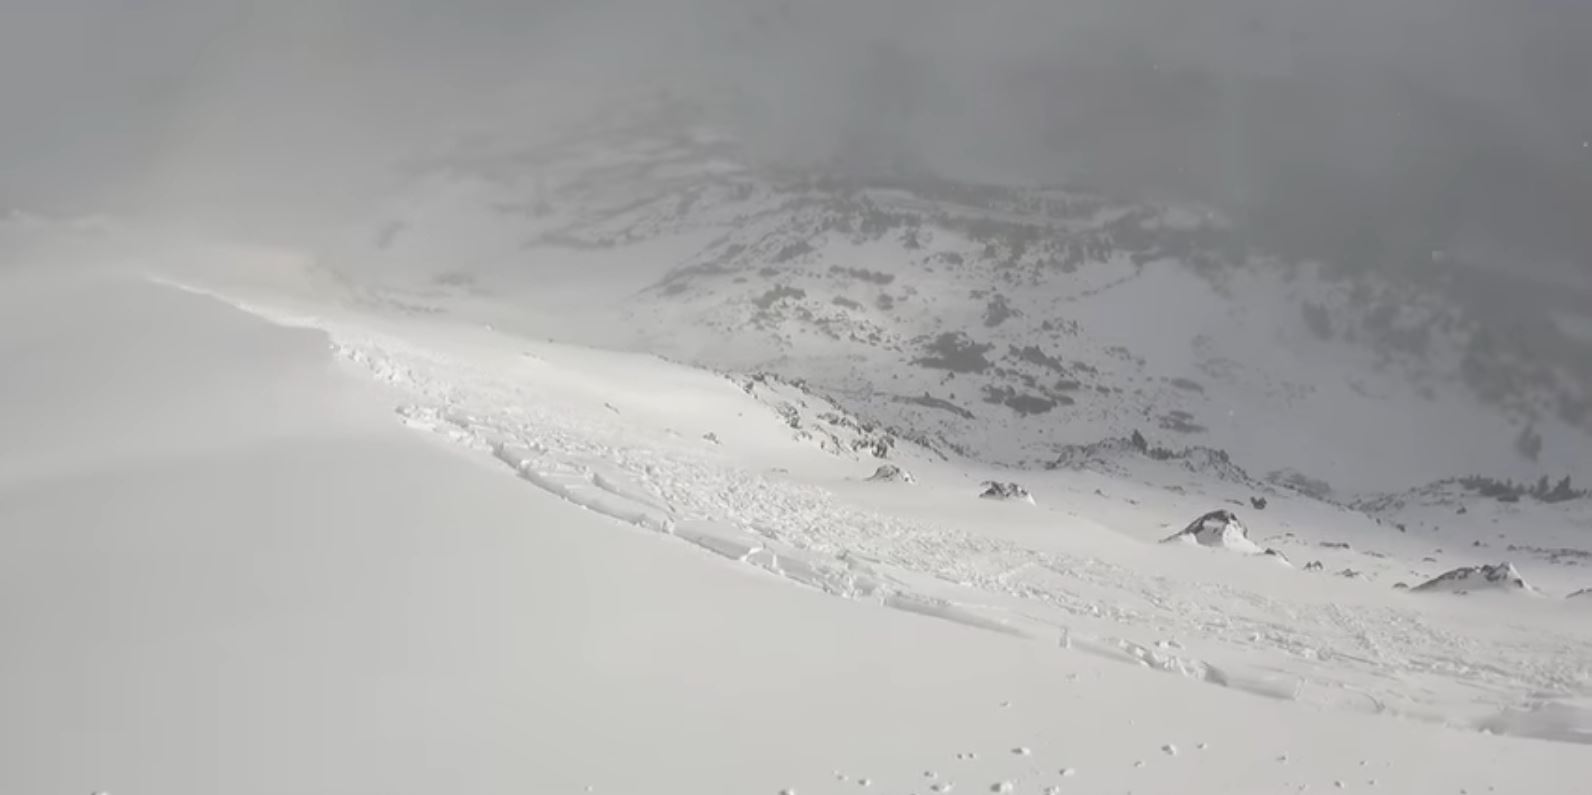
<point>940,608</point>
<point>1168,659</point>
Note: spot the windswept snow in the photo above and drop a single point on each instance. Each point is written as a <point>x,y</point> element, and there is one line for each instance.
<point>442,558</point>
<point>585,425</point>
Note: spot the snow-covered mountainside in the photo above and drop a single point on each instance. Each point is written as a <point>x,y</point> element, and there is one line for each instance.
<point>1547,524</point>
<point>402,524</point>
<point>1009,325</point>
<point>699,458</point>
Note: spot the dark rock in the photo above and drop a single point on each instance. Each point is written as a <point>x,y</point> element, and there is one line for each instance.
<point>890,473</point>
<point>996,490</point>
<point>1502,576</point>
<point>1217,528</point>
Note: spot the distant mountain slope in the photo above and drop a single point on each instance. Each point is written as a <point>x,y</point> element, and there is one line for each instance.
<point>1011,324</point>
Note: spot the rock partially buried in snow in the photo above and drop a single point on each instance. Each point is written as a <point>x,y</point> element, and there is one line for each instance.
<point>1584,593</point>
<point>1220,529</point>
<point>996,490</point>
<point>890,473</point>
<point>1501,577</point>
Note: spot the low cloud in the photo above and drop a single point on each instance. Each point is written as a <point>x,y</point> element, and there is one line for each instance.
<point>1373,131</point>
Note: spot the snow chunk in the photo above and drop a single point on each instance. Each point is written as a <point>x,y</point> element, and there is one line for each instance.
<point>1501,577</point>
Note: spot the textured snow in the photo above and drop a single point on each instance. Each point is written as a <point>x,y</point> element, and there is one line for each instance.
<point>367,550</point>
<point>932,551</point>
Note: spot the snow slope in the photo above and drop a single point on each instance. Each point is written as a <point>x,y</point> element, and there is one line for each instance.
<point>1082,569</point>
<point>368,551</point>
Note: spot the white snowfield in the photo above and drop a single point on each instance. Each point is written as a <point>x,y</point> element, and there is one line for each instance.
<point>226,565</point>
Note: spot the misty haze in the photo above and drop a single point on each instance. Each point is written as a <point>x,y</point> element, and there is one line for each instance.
<point>795,396</point>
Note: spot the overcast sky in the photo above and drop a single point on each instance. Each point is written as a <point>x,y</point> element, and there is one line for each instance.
<point>1367,128</point>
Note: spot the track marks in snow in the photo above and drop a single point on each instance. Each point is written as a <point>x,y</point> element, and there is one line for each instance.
<point>1383,659</point>
<point>581,484</point>
<point>796,532</point>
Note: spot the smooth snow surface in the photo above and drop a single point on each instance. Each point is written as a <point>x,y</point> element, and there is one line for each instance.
<point>378,553</point>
